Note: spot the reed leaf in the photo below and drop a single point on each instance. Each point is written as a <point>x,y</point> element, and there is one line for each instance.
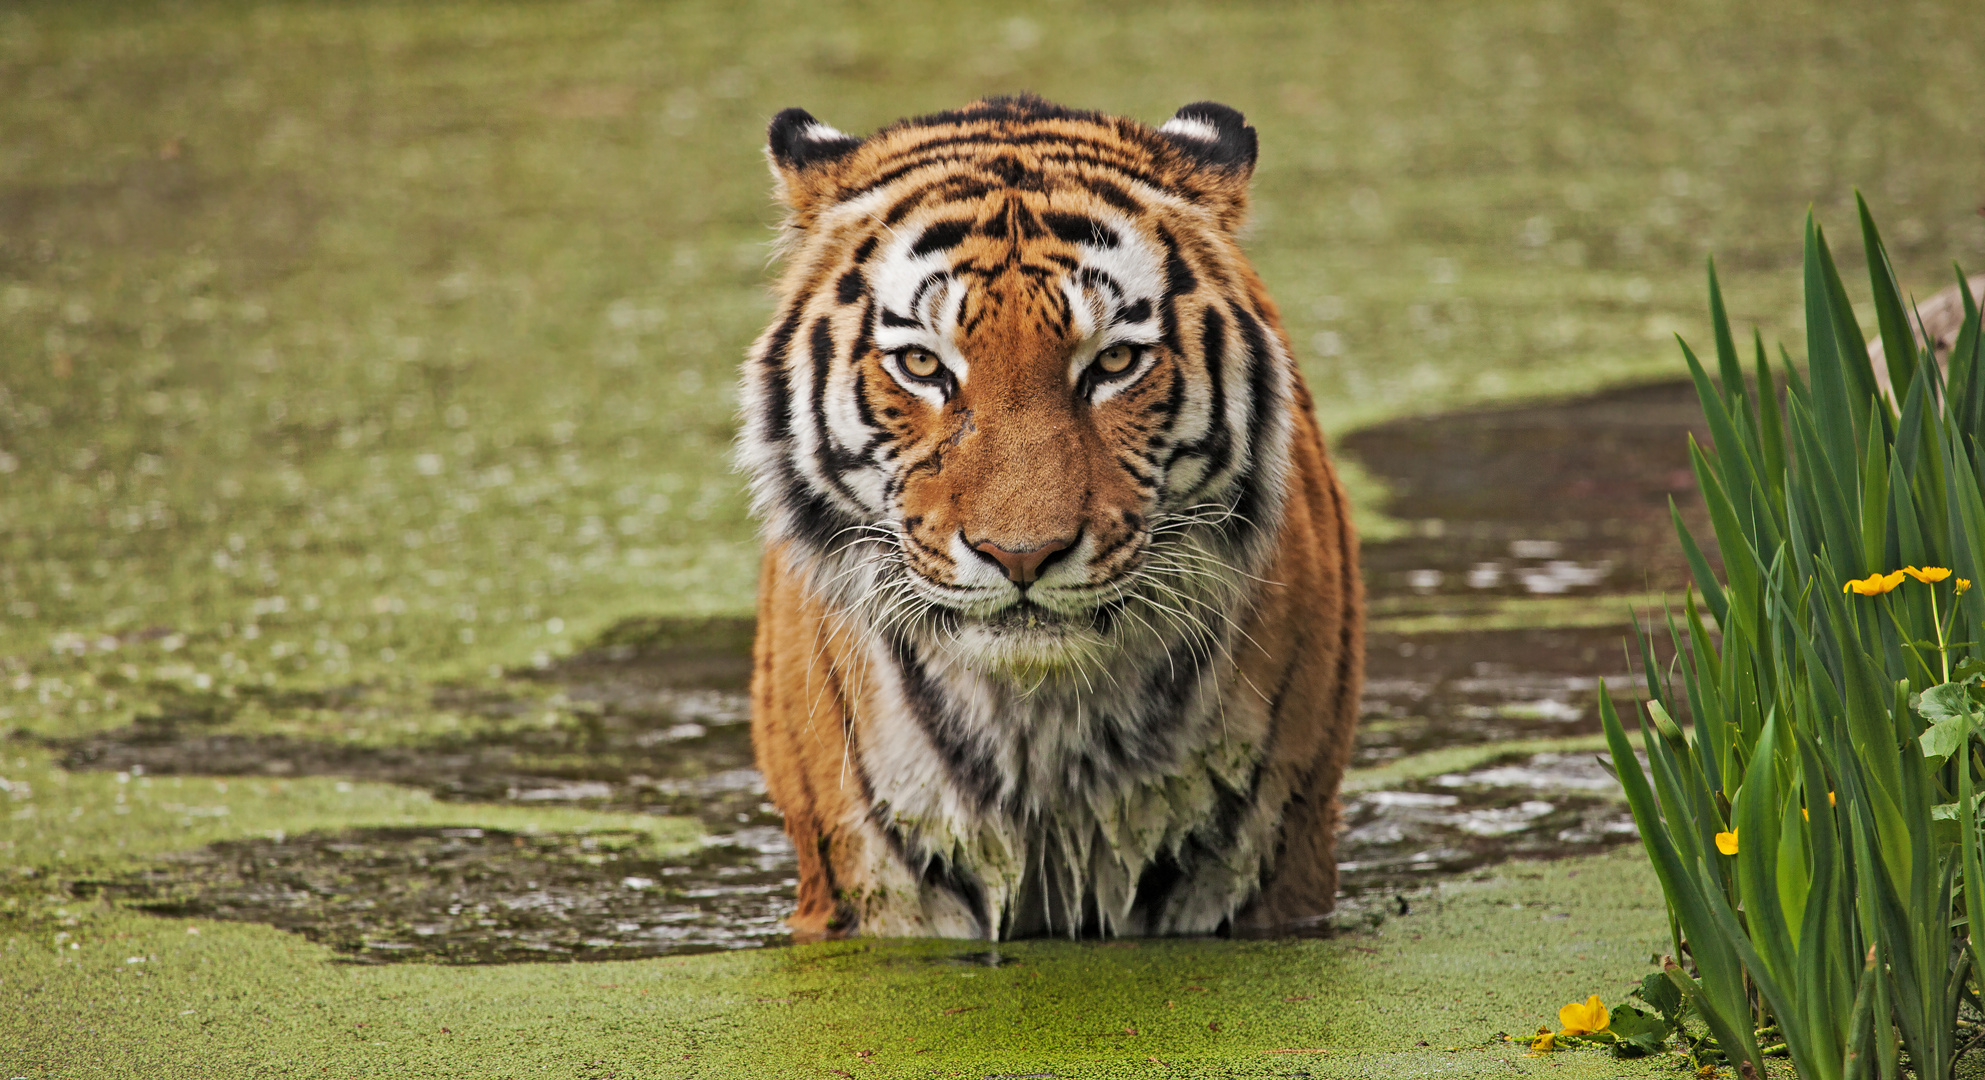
<point>1856,891</point>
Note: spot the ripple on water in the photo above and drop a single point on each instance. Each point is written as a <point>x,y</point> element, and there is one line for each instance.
<point>1538,806</point>
<point>480,896</point>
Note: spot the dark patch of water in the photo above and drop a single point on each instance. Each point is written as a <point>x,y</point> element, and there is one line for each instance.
<point>629,744</point>
<point>1569,498</point>
<point>651,719</point>
<point>480,896</point>
<point>1428,691</point>
<point>662,654</point>
<point>981,958</point>
<point>1537,806</point>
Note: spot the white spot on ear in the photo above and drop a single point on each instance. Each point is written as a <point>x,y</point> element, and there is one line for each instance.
<point>1191,127</point>
<point>819,132</point>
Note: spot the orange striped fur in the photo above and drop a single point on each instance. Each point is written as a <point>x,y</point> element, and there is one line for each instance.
<point>1059,624</point>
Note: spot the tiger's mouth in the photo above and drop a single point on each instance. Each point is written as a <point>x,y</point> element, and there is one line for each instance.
<point>1026,616</point>
<point>1054,625</point>
<point>1026,641</point>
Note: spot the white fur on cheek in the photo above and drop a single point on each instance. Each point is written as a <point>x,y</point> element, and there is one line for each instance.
<point>1137,267</point>
<point>902,286</point>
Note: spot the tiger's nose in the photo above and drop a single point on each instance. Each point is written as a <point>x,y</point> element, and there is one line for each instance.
<point>1024,565</point>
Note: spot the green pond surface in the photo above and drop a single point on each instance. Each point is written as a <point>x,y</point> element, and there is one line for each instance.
<point>365,413</point>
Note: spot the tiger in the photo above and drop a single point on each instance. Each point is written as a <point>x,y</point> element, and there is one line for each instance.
<point>1059,618</point>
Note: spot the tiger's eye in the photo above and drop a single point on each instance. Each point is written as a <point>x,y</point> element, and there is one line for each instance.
<point>1116,359</point>
<point>919,363</point>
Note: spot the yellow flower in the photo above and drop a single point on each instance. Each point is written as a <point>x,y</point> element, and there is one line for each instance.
<point>1963,584</point>
<point>1544,1041</point>
<point>1875,584</point>
<point>1584,1019</point>
<point>1726,842</point>
<point>1928,575</point>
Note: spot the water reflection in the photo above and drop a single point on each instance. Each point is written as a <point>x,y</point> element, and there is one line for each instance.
<point>1541,500</point>
<point>472,896</point>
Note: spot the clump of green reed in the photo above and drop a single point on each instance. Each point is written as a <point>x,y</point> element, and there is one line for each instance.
<point>1816,831</point>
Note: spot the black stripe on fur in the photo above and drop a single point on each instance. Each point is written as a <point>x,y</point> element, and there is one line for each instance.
<point>968,764</point>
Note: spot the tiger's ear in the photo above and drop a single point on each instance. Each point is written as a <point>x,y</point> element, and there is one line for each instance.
<point>804,153</point>
<point>1218,146</point>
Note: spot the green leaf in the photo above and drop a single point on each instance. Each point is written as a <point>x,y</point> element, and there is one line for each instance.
<point>1945,701</point>
<point>1740,561</point>
<point>1952,716</point>
<point>1637,1034</point>
<point>1801,1041</point>
<point>1771,425</point>
<point>1657,991</point>
<point>1966,380</point>
<point>1734,457</point>
<point>1666,725</point>
<point>1898,344</point>
<point>1720,999</point>
<point>1726,345</point>
<point>1753,813</point>
<point>1974,888</point>
<point>1837,418</point>
<point>1858,1055</point>
<point>1875,496</point>
<point>1853,348</point>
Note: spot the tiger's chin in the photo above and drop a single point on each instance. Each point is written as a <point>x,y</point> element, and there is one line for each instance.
<point>1028,644</point>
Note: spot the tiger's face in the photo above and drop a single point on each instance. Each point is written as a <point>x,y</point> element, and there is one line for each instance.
<point>1022,402</point>
<point>1019,375</point>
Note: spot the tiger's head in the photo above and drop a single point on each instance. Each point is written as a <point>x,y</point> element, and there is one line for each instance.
<point>1024,402</point>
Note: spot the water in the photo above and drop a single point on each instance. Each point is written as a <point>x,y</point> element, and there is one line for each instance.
<point>1506,509</point>
<point>1554,500</point>
<point>473,896</point>
<point>1546,805</point>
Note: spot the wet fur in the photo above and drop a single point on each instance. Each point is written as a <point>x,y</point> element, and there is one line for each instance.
<point>1150,739</point>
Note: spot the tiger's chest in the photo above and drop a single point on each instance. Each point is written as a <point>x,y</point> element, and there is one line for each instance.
<point>1122,802</point>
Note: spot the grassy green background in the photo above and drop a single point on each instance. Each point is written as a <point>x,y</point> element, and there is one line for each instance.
<point>400,336</point>
<point>392,344</point>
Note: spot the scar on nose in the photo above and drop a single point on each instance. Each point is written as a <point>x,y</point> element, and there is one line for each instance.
<point>965,427</point>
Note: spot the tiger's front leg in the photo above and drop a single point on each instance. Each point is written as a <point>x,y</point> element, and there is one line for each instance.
<point>805,695</point>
